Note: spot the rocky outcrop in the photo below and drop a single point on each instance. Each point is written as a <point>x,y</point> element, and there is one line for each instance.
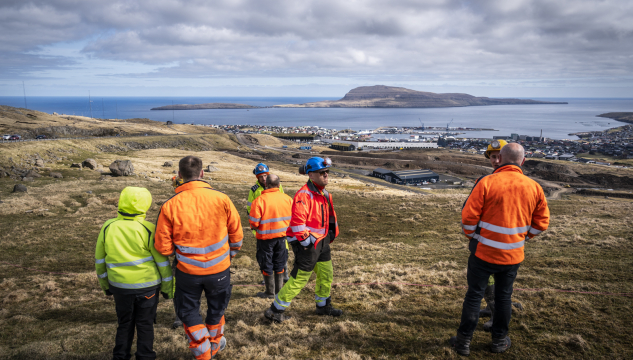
<point>122,168</point>
<point>380,96</point>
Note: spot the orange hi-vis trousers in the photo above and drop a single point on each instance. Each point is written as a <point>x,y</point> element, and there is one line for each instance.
<point>204,341</point>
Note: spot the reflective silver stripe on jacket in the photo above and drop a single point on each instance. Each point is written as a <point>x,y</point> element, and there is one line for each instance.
<point>272,231</point>
<point>503,230</point>
<point>234,252</point>
<point>291,239</point>
<point>297,228</point>
<point>130,263</point>
<point>307,192</point>
<point>254,219</point>
<point>316,231</point>
<point>202,264</point>
<point>248,203</point>
<point>499,245</point>
<point>100,261</point>
<point>204,250</point>
<point>236,244</point>
<point>103,276</point>
<point>134,286</point>
<point>534,231</point>
<point>469,227</point>
<point>163,264</point>
<point>169,278</point>
<point>276,219</point>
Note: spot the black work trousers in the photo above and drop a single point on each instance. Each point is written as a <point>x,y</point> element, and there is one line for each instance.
<point>272,255</point>
<point>478,273</point>
<point>306,257</point>
<point>135,311</point>
<point>189,288</point>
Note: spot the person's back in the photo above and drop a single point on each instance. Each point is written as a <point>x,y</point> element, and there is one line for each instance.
<point>203,228</point>
<point>129,267</point>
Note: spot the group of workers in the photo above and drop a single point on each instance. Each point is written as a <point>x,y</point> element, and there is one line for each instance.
<point>202,228</point>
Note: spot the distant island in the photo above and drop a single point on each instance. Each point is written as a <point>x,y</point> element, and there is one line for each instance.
<point>626,117</point>
<point>205,106</point>
<point>380,96</point>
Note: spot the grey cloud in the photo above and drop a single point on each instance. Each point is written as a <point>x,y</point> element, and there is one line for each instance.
<point>400,38</point>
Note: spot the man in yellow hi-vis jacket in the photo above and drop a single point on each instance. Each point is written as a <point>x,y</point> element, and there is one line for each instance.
<point>130,268</point>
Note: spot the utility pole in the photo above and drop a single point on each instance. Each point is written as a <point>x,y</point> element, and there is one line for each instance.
<point>90,104</point>
<point>102,108</point>
<point>24,89</point>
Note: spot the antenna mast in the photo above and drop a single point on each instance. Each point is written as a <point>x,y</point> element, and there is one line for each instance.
<point>24,89</point>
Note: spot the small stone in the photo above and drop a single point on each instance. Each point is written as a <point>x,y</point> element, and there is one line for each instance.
<point>26,178</point>
<point>19,188</point>
<point>32,174</point>
<point>168,164</point>
<point>39,162</point>
<point>76,165</point>
<point>89,192</point>
<point>89,163</point>
<point>122,168</point>
<point>56,175</point>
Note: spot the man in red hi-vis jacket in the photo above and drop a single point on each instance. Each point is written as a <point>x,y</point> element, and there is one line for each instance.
<point>313,227</point>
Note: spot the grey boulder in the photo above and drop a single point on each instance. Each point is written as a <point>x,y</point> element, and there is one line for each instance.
<point>56,175</point>
<point>19,188</point>
<point>121,168</point>
<point>89,163</point>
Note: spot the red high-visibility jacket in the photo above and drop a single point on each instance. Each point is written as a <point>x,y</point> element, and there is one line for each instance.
<point>313,216</point>
<point>202,226</point>
<point>270,214</point>
<point>503,210</point>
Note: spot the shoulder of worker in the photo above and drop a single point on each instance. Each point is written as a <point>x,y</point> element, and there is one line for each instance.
<point>148,225</point>
<point>108,222</point>
<point>255,187</point>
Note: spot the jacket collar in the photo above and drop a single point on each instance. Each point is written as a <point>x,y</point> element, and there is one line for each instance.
<point>270,190</point>
<point>509,167</point>
<point>193,184</point>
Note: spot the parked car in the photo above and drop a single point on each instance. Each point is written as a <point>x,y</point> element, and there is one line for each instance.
<point>40,137</point>
<point>15,137</point>
<point>6,137</point>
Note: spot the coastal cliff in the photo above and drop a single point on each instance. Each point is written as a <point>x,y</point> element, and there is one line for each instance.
<point>626,117</point>
<point>380,96</point>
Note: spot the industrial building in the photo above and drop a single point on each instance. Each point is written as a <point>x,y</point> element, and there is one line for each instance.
<point>343,146</point>
<point>406,176</point>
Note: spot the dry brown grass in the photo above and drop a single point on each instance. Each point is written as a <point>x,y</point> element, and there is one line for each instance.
<point>387,237</point>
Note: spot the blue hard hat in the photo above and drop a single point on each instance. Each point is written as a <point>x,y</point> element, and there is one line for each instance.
<point>260,169</point>
<point>315,164</point>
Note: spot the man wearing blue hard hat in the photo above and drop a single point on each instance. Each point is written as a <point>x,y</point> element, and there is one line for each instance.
<point>261,172</point>
<point>313,227</point>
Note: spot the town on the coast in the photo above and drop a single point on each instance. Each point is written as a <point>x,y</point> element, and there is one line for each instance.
<point>616,142</point>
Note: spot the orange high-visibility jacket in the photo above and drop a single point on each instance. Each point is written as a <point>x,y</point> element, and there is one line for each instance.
<point>270,214</point>
<point>503,210</point>
<point>312,215</point>
<point>202,226</point>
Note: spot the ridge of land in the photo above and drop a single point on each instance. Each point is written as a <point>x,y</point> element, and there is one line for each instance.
<point>626,117</point>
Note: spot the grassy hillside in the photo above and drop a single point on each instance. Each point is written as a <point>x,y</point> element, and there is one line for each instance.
<point>52,307</point>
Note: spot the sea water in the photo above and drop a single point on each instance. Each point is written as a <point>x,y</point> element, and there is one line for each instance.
<point>556,121</point>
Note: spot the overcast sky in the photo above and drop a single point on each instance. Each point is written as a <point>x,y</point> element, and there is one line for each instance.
<point>520,48</point>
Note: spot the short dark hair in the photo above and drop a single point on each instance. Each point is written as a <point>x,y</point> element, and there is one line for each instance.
<point>190,167</point>
<point>272,181</point>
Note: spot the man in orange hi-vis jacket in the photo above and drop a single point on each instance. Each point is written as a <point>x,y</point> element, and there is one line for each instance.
<point>203,228</point>
<point>503,210</point>
<point>270,217</point>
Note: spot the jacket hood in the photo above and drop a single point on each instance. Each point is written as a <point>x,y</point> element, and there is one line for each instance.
<point>134,202</point>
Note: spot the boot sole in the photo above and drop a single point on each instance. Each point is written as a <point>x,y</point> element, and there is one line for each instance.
<point>451,342</point>
<point>504,349</point>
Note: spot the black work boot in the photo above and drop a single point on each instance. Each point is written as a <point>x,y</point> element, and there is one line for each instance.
<point>461,344</point>
<point>269,283</point>
<point>500,345</point>
<point>279,281</point>
<point>275,315</point>
<point>177,323</point>
<point>489,295</point>
<point>328,309</point>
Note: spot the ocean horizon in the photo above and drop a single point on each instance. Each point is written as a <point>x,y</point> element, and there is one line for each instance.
<point>556,121</point>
